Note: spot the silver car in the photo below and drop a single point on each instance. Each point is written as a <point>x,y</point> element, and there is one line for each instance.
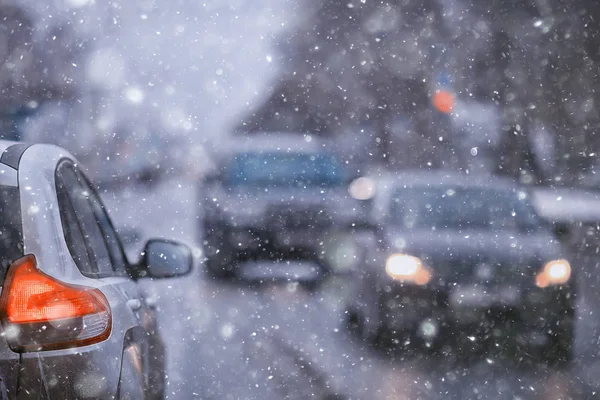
<point>74,322</point>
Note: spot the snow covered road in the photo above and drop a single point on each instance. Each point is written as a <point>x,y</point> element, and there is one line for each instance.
<point>241,341</point>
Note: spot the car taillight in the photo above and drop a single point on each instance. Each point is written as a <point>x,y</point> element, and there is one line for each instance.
<point>39,312</point>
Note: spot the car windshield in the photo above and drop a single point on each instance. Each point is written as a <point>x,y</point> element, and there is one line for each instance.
<point>462,208</point>
<point>11,235</point>
<point>285,169</point>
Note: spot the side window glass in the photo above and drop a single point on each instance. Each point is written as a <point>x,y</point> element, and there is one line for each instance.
<point>111,238</point>
<point>79,195</point>
<point>71,228</point>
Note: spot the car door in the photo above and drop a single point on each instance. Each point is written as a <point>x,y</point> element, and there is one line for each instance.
<point>133,293</point>
<point>96,249</point>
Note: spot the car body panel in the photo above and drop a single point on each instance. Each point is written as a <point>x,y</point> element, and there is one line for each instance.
<point>9,360</point>
<point>88,370</point>
<point>452,244</point>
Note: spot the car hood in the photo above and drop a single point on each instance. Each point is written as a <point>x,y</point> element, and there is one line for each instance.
<point>259,203</point>
<point>475,245</point>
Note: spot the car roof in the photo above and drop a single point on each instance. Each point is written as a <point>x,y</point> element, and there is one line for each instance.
<point>262,142</point>
<point>46,155</point>
<point>5,144</point>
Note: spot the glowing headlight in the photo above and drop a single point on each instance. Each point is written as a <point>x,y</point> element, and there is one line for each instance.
<point>362,188</point>
<point>407,268</point>
<point>555,272</point>
<point>401,265</point>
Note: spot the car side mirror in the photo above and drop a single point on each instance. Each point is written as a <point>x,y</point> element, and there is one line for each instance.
<point>165,259</point>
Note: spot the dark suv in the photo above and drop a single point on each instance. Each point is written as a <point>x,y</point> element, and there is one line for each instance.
<point>277,197</point>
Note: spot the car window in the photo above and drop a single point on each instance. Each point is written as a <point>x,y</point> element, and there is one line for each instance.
<point>78,194</point>
<point>72,229</point>
<point>285,170</point>
<point>115,249</point>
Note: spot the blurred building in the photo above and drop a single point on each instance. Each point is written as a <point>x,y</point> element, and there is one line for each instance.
<point>35,67</point>
<point>379,63</point>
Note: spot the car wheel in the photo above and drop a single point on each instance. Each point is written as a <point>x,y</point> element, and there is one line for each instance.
<point>559,351</point>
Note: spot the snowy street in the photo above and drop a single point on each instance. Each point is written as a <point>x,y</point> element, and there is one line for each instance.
<point>241,341</point>
<point>374,200</point>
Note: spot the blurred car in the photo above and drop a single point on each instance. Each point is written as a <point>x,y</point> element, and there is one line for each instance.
<point>458,257</point>
<point>573,212</point>
<point>74,322</point>
<point>272,194</point>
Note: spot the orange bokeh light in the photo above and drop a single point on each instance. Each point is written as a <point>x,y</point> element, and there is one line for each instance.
<point>443,101</point>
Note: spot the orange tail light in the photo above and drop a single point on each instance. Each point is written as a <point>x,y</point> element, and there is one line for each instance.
<point>443,101</point>
<point>39,312</point>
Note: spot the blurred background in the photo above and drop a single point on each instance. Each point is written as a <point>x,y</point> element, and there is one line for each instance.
<point>144,89</point>
<point>145,92</point>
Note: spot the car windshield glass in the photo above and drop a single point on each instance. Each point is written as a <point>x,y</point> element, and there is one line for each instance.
<point>11,235</point>
<point>449,207</point>
<point>285,169</point>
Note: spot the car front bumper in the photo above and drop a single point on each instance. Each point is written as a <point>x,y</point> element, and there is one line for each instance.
<point>434,312</point>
